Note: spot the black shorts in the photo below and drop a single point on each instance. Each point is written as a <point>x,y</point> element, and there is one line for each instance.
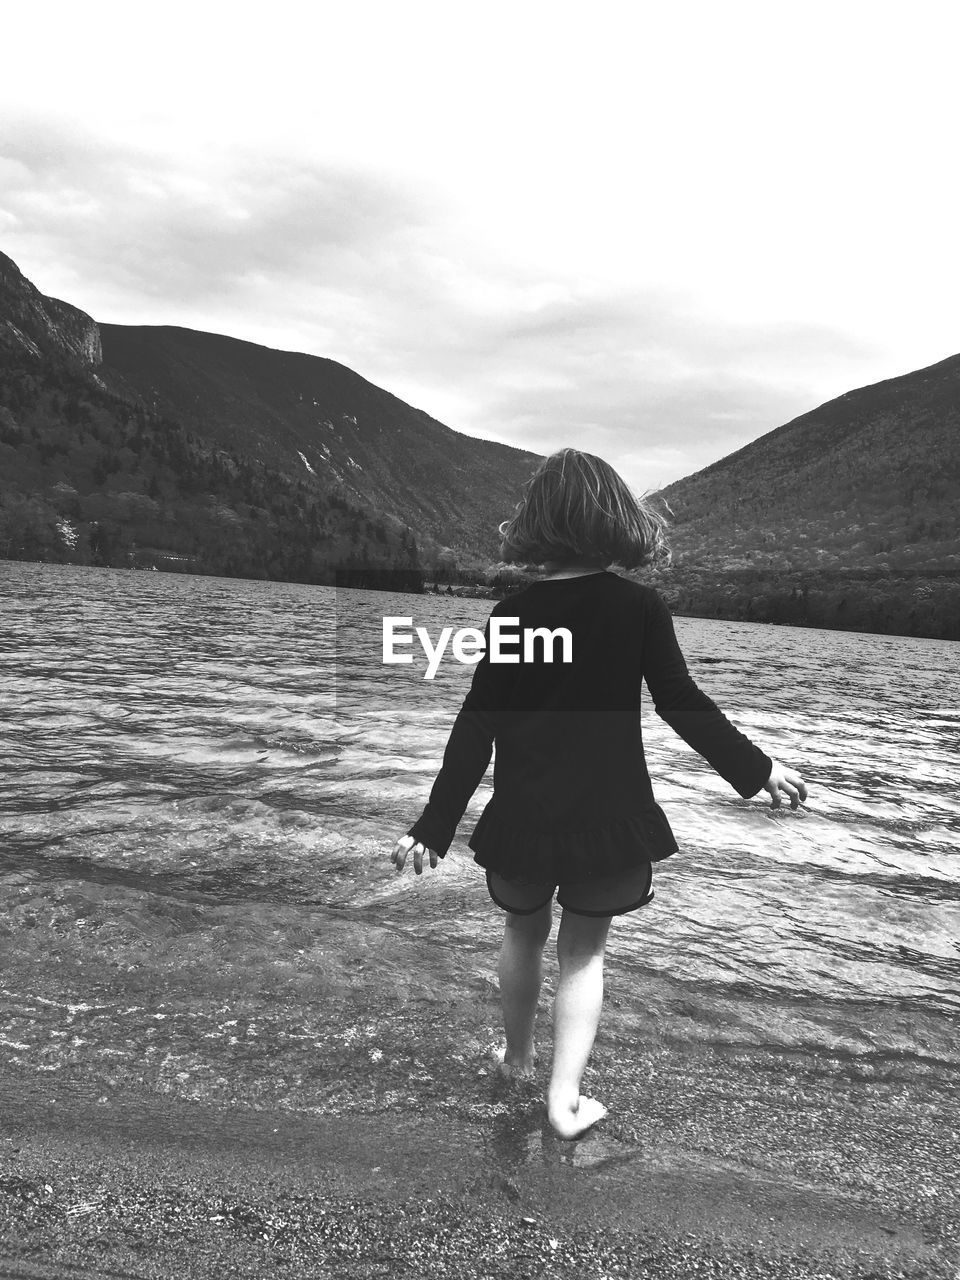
<point>605,896</point>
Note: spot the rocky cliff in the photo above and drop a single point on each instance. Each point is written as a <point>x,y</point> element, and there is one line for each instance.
<point>44,326</point>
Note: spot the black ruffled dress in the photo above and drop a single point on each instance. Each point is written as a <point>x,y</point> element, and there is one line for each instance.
<point>572,797</point>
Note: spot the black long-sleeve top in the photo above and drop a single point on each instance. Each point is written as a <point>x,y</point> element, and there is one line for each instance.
<point>572,796</point>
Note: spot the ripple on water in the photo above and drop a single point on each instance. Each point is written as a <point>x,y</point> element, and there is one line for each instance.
<point>188,773</point>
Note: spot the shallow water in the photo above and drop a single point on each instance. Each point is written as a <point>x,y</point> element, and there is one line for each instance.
<point>196,819</point>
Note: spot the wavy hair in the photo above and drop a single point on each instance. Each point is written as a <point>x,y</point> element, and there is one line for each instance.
<point>576,507</point>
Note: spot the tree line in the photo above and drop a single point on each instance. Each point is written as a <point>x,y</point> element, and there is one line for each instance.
<point>912,604</point>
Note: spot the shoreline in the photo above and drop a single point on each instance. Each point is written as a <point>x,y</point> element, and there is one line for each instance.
<point>709,1165</point>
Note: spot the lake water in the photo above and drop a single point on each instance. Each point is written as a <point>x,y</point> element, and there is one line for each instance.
<point>196,820</point>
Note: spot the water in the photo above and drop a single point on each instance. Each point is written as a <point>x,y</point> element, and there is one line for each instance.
<point>195,826</point>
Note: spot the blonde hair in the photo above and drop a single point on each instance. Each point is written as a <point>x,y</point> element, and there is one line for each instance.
<point>575,506</point>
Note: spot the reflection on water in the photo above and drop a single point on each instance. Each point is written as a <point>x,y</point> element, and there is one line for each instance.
<point>191,805</point>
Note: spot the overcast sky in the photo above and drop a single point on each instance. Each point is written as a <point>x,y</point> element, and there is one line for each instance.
<point>651,230</point>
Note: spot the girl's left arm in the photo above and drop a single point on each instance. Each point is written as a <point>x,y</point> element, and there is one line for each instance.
<point>700,722</point>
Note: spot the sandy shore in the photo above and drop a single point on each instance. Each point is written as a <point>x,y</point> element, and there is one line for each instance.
<point>731,1164</point>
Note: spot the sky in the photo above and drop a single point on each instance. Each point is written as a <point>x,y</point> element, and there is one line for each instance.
<point>652,231</point>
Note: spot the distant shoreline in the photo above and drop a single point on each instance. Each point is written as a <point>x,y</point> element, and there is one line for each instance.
<point>924,604</point>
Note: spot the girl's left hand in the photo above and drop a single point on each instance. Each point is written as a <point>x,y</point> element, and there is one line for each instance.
<point>403,847</point>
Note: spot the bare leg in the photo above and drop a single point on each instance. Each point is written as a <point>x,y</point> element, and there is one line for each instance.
<point>521,972</point>
<point>576,1013</point>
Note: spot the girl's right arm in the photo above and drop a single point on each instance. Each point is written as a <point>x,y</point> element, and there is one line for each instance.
<point>465,761</point>
<point>695,717</point>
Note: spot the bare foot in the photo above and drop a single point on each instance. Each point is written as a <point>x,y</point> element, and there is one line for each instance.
<point>520,1069</point>
<point>570,1121</point>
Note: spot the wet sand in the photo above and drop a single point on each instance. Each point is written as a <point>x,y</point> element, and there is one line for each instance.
<point>730,1163</point>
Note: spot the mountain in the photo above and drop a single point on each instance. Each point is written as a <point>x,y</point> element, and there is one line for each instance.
<point>305,415</point>
<point>868,481</point>
<point>129,444</point>
<point>847,517</point>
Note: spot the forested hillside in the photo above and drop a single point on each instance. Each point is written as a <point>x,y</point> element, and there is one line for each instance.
<point>91,478</point>
<point>846,517</point>
<point>868,481</point>
<point>308,417</point>
<point>166,447</point>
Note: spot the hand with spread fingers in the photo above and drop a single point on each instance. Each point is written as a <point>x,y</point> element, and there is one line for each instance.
<point>789,782</point>
<point>404,846</point>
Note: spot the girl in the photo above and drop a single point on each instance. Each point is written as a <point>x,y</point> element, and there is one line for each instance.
<point>573,808</point>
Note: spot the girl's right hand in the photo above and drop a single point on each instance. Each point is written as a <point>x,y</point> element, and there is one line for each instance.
<point>789,782</point>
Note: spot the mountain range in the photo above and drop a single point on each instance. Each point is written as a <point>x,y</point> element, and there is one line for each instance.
<point>128,444</point>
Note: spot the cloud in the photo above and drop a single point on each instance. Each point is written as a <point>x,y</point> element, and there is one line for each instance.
<point>638,378</point>
<point>381,274</point>
<point>187,229</point>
